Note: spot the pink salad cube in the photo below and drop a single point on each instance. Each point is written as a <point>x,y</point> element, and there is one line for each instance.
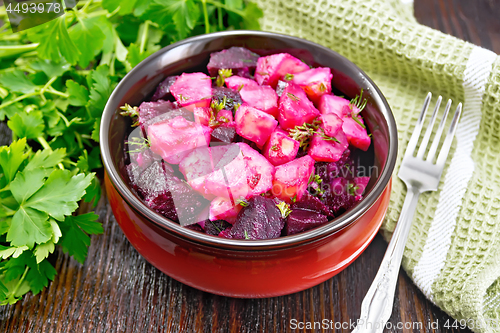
<point>195,167</point>
<point>328,150</point>
<point>316,82</point>
<point>192,90</point>
<point>291,179</point>
<point>237,83</point>
<point>201,115</point>
<point>175,138</point>
<point>272,68</point>
<point>254,125</point>
<point>247,175</point>
<point>263,98</point>
<point>224,209</point>
<point>295,108</point>
<point>331,124</point>
<point>280,148</point>
<point>355,131</point>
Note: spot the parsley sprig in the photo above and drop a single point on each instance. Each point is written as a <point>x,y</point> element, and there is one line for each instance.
<point>55,80</point>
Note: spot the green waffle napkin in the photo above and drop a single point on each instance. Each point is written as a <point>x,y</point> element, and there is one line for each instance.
<point>453,252</point>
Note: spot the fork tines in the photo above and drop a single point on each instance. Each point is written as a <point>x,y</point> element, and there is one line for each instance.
<point>445,148</point>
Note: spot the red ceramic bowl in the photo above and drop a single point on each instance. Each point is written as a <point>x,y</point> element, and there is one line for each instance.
<point>243,268</point>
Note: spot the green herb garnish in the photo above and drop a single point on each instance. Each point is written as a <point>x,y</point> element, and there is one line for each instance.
<point>242,202</point>
<point>352,189</point>
<point>274,147</point>
<point>358,102</point>
<point>246,235</point>
<point>223,75</point>
<point>288,77</point>
<point>55,80</point>
<point>284,209</point>
<point>293,97</point>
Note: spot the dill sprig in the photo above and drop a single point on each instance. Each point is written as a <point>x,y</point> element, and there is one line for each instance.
<point>223,75</point>
<point>304,133</point>
<point>242,202</point>
<point>284,209</point>
<point>352,189</point>
<point>358,101</point>
<point>132,112</point>
<point>141,144</point>
<point>215,107</point>
<point>292,96</point>
<point>356,119</point>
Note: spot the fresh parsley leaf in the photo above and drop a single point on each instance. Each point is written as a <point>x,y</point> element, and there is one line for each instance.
<point>42,251</point>
<point>88,38</point>
<point>29,226</point>
<point>60,194</point>
<point>78,94</point>
<point>134,57</point>
<point>75,240</point>
<point>252,14</point>
<point>50,68</point>
<point>184,14</point>
<point>126,7</point>
<point>100,90</point>
<point>39,275</point>
<point>27,125</point>
<point>95,132</point>
<point>55,41</point>
<point>16,81</point>
<point>12,157</point>
<point>27,183</point>
<point>46,159</point>
<point>13,251</point>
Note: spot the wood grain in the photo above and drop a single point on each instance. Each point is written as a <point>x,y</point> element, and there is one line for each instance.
<point>116,290</point>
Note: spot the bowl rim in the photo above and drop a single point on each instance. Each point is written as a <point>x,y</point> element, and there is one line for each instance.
<point>323,231</point>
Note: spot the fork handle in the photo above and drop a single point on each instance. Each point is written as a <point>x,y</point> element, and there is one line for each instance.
<point>377,305</point>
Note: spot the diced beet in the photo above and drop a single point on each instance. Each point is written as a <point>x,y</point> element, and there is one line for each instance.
<point>175,138</point>
<point>331,124</point>
<point>163,89</point>
<point>280,87</point>
<point>341,195</point>
<point>356,134</point>
<point>168,195</point>
<point>328,150</point>
<point>295,108</point>
<point>260,172</point>
<point>232,97</point>
<point>261,219</point>
<point>272,68</point>
<point>316,82</point>
<point>223,134</point>
<point>237,83</point>
<point>309,202</point>
<point>280,148</point>
<point>224,209</point>
<point>195,227</point>
<point>263,98</point>
<point>301,220</point>
<point>192,90</point>
<point>151,112</point>
<point>291,179</point>
<point>214,228</point>
<point>254,125</point>
<point>360,186</point>
<point>235,58</point>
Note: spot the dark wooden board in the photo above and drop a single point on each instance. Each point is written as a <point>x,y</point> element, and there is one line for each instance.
<point>116,290</point>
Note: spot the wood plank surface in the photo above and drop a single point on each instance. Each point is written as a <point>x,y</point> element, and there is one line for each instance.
<point>116,290</point>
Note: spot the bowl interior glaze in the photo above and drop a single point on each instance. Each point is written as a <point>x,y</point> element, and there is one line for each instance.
<point>192,55</point>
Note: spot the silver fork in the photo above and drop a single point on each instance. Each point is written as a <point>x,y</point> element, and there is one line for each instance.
<point>420,175</point>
